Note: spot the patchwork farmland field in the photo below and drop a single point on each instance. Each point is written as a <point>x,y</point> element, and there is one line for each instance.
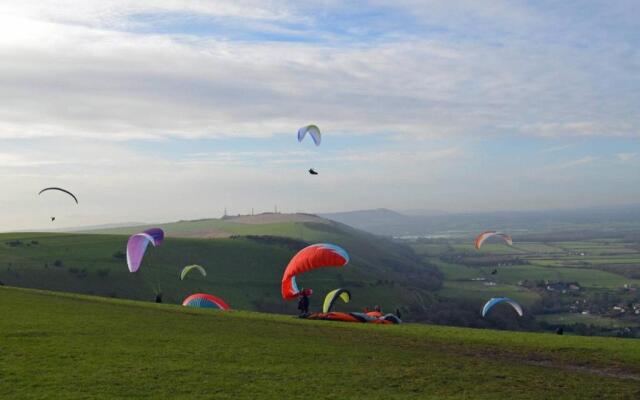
<point>595,281</point>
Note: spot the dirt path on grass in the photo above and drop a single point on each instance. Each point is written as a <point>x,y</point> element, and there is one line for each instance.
<point>604,372</point>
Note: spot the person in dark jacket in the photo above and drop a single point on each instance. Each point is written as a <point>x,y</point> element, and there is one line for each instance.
<point>303,303</point>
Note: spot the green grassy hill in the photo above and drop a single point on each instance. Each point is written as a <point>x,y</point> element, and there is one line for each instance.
<point>244,268</point>
<point>365,249</point>
<point>82,347</point>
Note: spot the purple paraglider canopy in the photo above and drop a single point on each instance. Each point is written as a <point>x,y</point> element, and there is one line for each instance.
<point>137,246</point>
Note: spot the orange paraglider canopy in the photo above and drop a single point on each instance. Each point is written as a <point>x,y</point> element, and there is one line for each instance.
<point>356,317</point>
<point>311,257</point>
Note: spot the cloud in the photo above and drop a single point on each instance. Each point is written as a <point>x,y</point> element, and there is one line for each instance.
<point>9,160</point>
<point>118,99</point>
<point>114,13</point>
<point>580,129</point>
<point>404,157</point>
<point>246,158</point>
<point>84,71</point>
<point>555,149</point>
<point>573,163</point>
<point>626,157</point>
<point>366,156</point>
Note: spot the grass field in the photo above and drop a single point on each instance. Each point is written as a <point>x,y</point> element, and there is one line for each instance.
<point>481,293</point>
<point>511,275</point>
<point>587,278</point>
<point>80,347</point>
<point>588,319</point>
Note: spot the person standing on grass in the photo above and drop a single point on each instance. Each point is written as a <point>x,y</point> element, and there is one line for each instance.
<point>303,303</point>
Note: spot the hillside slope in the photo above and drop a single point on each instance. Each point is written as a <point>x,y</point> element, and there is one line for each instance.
<point>71,347</point>
<point>371,252</point>
<point>244,270</point>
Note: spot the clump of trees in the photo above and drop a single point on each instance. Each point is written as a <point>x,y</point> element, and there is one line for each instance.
<point>79,273</point>
<point>464,312</point>
<point>289,243</point>
<point>103,272</point>
<point>19,243</point>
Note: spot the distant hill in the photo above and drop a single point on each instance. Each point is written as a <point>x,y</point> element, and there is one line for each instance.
<point>265,223</point>
<point>385,222</point>
<point>423,212</point>
<point>244,256</point>
<point>380,220</point>
<point>391,223</point>
<point>98,227</point>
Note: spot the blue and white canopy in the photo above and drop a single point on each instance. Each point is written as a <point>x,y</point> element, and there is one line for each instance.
<point>497,300</point>
<point>313,131</point>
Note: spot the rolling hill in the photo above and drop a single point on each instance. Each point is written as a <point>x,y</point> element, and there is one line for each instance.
<point>245,258</point>
<point>75,346</point>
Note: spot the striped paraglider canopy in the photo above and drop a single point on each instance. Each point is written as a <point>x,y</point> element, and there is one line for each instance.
<point>203,300</point>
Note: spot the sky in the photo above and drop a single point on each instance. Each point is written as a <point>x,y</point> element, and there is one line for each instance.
<point>154,111</point>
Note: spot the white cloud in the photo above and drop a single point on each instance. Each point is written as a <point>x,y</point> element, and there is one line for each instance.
<point>66,72</point>
<point>555,149</point>
<point>81,80</point>
<point>626,157</point>
<point>10,160</point>
<point>572,163</point>
<point>580,129</point>
<point>414,157</point>
<point>115,13</point>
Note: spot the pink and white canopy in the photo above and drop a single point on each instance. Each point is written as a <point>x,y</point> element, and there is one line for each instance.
<point>486,235</point>
<point>137,246</point>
